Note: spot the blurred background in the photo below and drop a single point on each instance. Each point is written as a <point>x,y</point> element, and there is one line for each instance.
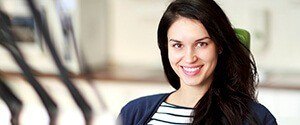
<point>113,43</point>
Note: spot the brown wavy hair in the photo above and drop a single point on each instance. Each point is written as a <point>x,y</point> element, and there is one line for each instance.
<point>235,76</point>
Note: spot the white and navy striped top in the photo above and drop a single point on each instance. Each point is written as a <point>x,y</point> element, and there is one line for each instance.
<point>169,114</point>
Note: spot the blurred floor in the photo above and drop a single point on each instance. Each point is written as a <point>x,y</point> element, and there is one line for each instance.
<point>284,104</point>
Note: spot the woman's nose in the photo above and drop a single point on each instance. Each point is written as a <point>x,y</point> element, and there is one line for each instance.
<point>190,56</point>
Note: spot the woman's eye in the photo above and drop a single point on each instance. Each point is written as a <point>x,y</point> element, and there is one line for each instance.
<point>177,45</point>
<point>201,44</point>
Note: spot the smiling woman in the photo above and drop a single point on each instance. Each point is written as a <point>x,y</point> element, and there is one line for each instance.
<point>212,71</point>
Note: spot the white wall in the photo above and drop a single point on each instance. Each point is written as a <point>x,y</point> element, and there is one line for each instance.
<point>274,29</point>
<point>133,26</point>
<point>273,25</point>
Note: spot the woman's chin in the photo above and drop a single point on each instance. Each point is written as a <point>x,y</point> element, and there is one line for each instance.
<point>191,83</point>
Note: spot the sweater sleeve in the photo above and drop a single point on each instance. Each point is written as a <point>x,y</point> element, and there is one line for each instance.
<point>263,114</point>
<point>120,119</point>
<point>269,118</point>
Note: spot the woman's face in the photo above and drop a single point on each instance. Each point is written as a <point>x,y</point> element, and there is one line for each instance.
<point>192,54</point>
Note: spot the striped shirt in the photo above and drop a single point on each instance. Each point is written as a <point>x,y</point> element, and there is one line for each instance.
<point>169,114</point>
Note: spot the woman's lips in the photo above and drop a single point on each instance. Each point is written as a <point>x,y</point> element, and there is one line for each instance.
<point>191,71</point>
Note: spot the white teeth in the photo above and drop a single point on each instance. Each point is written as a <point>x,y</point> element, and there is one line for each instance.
<point>191,69</point>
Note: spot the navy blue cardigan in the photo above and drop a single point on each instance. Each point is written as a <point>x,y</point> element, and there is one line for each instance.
<point>140,111</point>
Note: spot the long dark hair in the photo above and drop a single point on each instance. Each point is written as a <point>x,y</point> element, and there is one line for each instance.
<point>235,76</point>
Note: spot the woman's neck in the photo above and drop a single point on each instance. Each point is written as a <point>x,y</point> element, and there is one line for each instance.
<point>187,96</point>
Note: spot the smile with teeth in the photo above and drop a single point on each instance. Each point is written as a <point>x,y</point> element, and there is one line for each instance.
<point>191,71</point>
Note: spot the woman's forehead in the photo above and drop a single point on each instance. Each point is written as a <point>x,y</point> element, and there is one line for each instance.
<point>185,29</point>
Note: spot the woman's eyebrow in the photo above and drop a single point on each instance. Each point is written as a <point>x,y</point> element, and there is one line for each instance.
<point>174,40</point>
<point>198,40</point>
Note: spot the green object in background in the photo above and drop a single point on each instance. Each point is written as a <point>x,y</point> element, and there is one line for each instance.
<point>244,36</point>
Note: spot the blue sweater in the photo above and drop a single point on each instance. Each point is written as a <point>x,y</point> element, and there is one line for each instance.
<point>140,111</point>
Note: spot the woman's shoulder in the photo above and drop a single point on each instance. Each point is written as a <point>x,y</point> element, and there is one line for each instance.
<point>145,101</point>
<point>262,113</point>
<point>138,110</point>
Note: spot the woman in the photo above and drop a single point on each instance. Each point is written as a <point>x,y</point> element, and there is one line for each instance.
<point>212,71</point>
